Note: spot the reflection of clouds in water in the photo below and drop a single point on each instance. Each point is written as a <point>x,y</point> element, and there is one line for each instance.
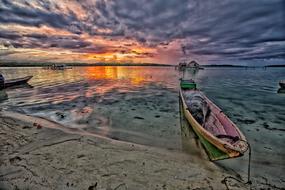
<point>89,83</point>
<point>112,112</point>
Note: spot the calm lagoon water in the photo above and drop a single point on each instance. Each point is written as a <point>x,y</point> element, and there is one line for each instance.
<point>141,105</point>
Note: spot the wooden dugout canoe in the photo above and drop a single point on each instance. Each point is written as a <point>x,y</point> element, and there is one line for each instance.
<point>219,135</point>
<point>17,81</point>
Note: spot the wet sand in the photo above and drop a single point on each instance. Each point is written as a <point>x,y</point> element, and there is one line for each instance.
<point>45,157</point>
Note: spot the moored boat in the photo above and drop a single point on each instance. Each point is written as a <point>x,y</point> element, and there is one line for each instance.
<point>17,81</point>
<point>57,67</point>
<point>218,134</point>
<point>282,83</point>
<point>191,65</point>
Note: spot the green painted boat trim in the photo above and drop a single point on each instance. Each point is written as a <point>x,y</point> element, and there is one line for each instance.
<point>213,152</point>
<point>187,85</point>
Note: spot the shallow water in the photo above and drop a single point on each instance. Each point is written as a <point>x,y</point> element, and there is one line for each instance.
<point>140,105</point>
<point>137,104</point>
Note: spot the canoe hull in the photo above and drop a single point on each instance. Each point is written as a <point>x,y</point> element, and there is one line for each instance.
<point>215,148</point>
<point>15,82</point>
<point>282,84</point>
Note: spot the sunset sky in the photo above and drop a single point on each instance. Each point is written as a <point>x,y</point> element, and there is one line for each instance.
<point>140,31</point>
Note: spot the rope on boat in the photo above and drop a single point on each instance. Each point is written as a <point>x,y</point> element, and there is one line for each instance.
<point>248,170</point>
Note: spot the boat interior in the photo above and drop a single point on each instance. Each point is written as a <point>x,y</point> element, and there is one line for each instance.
<point>214,121</point>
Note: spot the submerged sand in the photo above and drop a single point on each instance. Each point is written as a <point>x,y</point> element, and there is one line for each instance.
<point>38,154</point>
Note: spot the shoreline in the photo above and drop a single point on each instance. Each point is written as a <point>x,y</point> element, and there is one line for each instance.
<point>12,65</point>
<point>87,65</point>
<point>36,157</point>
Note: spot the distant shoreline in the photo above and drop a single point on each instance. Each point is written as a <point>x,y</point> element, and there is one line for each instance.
<point>275,65</point>
<point>81,64</point>
<point>223,65</point>
<point>126,65</point>
<point>243,66</point>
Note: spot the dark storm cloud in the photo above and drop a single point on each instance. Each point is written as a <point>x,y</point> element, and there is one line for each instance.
<point>9,35</point>
<point>35,40</point>
<point>12,12</point>
<point>66,42</point>
<point>227,29</point>
<point>58,42</point>
<point>258,28</point>
<point>224,28</point>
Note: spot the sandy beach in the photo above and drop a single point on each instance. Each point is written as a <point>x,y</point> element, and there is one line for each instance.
<point>38,156</point>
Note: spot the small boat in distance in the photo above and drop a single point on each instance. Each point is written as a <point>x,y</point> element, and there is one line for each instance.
<point>188,84</point>
<point>17,81</point>
<point>57,67</point>
<point>218,134</point>
<point>192,65</point>
<point>282,83</point>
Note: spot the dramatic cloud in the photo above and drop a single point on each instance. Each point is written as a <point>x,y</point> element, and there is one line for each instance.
<point>142,31</point>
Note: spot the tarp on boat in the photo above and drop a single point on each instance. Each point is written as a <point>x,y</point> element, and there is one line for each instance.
<point>197,106</point>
